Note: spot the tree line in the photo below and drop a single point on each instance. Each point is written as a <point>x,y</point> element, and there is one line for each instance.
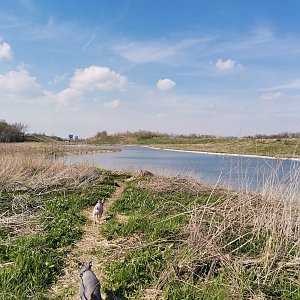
<point>12,132</point>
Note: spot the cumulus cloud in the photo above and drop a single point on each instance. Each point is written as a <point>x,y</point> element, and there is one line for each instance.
<point>97,78</point>
<point>19,84</point>
<point>5,50</point>
<point>165,84</point>
<point>113,104</point>
<point>272,96</point>
<point>225,65</point>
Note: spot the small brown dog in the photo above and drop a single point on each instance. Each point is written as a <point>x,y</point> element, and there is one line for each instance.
<point>98,211</point>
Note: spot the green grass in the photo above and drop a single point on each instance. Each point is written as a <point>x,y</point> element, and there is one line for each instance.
<point>136,270</point>
<point>157,218</point>
<point>29,264</point>
<point>195,244</point>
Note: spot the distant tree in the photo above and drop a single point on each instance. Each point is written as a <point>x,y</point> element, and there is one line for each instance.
<point>101,133</point>
<point>12,132</point>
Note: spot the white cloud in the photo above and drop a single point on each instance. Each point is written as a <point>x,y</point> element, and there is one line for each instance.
<point>5,50</point>
<point>87,80</point>
<point>272,96</point>
<point>97,78</point>
<point>59,78</point>
<point>139,53</point>
<point>157,51</point>
<point>90,40</point>
<point>68,96</point>
<point>295,84</point>
<point>165,84</point>
<point>225,65</point>
<point>113,104</point>
<point>19,84</point>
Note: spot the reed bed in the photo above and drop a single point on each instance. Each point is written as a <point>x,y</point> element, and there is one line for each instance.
<point>29,172</point>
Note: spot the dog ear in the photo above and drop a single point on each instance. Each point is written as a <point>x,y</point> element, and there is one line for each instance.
<point>90,264</point>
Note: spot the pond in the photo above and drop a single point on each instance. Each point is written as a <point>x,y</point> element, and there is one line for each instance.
<point>226,170</point>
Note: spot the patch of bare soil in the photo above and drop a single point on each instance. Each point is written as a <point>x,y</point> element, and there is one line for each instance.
<point>86,249</point>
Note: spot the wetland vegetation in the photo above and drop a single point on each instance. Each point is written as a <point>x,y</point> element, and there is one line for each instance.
<point>167,237</point>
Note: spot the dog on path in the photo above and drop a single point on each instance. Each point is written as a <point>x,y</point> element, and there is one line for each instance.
<point>98,211</point>
<point>89,283</point>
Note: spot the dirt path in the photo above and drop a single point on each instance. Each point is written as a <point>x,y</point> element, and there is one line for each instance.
<point>86,249</point>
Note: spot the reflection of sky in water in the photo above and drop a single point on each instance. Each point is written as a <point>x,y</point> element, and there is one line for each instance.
<point>235,171</point>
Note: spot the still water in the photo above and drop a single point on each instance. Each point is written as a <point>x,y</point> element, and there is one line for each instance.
<point>233,171</point>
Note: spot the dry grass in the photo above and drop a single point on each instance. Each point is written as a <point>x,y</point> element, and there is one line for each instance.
<point>172,184</point>
<point>49,149</point>
<point>29,172</point>
<point>246,231</point>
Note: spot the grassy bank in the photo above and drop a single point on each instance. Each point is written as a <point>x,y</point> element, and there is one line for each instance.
<point>279,148</point>
<point>52,149</point>
<point>275,147</point>
<point>40,207</point>
<point>177,239</point>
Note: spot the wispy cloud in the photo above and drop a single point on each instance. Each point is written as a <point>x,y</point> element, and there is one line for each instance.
<point>29,5</point>
<point>157,51</point>
<point>90,40</point>
<point>273,96</point>
<point>59,78</point>
<point>113,104</point>
<point>295,84</point>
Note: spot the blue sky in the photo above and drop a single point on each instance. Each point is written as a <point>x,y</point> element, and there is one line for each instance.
<point>207,67</point>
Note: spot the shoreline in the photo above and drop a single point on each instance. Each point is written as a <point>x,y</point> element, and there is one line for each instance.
<point>225,154</point>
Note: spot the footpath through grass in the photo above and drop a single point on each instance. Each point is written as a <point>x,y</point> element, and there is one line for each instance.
<point>176,239</point>
<point>39,226</point>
